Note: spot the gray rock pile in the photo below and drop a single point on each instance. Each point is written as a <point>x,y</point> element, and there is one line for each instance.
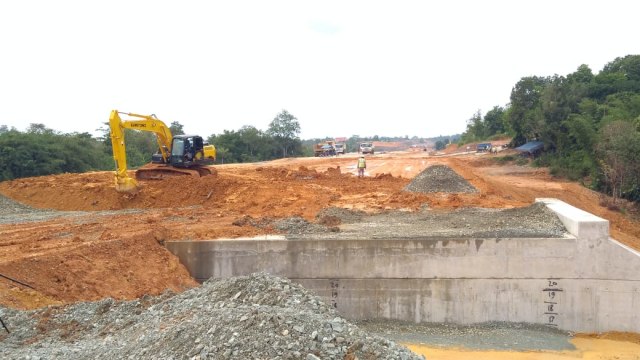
<point>298,225</point>
<point>534,221</point>
<point>250,317</point>
<point>346,216</point>
<point>289,225</point>
<point>12,212</point>
<point>8,206</point>
<point>440,178</point>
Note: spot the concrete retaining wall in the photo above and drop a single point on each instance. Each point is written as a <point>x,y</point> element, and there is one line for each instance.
<point>583,282</point>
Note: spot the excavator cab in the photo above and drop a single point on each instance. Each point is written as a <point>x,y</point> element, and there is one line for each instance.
<point>187,151</point>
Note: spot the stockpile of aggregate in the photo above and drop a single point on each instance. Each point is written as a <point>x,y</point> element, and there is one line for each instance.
<point>289,225</point>
<point>12,211</point>
<point>250,317</point>
<point>439,178</point>
<point>533,221</point>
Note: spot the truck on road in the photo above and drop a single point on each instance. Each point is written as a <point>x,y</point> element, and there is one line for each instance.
<point>366,148</point>
<point>326,148</point>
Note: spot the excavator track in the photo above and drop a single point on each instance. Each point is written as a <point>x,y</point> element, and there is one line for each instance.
<point>161,171</point>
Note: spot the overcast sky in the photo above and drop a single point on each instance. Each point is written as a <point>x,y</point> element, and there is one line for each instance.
<point>389,68</point>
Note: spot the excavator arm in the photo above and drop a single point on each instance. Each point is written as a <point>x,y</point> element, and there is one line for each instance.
<point>124,183</point>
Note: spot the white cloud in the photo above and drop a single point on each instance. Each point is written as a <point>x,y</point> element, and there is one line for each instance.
<point>343,68</point>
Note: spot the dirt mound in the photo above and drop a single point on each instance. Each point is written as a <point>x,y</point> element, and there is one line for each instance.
<point>250,317</point>
<point>298,225</point>
<point>334,171</point>
<point>383,176</point>
<point>440,178</point>
<point>343,215</point>
<point>71,264</point>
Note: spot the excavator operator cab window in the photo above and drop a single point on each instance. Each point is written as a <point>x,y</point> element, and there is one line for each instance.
<point>178,147</point>
<point>189,149</point>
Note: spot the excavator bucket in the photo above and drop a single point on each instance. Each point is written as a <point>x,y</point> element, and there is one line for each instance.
<point>126,185</point>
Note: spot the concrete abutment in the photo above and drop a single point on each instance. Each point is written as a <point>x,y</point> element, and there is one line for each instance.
<point>584,281</point>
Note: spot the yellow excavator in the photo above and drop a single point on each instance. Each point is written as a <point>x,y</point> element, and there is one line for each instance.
<point>177,155</point>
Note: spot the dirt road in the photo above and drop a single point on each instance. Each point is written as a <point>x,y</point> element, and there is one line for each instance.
<point>110,245</point>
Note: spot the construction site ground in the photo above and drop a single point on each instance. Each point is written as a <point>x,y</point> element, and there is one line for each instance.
<point>73,238</point>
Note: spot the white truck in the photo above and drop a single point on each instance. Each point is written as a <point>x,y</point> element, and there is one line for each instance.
<point>366,148</point>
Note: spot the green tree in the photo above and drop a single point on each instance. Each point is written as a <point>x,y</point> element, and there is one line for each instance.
<point>256,145</point>
<point>582,75</point>
<point>525,115</point>
<point>223,154</point>
<point>619,154</point>
<point>176,128</point>
<point>284,129</point>
<point>228,146</point>
<point>42,151</point>
<point>494,121</point>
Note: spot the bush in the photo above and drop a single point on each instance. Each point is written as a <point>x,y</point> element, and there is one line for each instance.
<point>503,159</point>
<point>575,166</point>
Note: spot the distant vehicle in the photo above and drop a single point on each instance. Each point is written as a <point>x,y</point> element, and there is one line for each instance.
<point>340,149</point>
<point>324,149</point>
<point>484,147</point>
<point>366,148</point>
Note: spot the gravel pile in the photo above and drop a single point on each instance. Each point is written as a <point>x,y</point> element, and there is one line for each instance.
<point>534,221</point>
<point>8,206</point>
<point>485,336</point>
<point>12,212</point>
<point>249,317</point>
<point>298,225</point>
<point>439,178</point>
<point>291,225</point>
<point>346,216</point>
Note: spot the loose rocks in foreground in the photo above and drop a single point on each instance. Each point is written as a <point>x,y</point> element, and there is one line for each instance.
<point>440,178</point>
<point>248,317</point>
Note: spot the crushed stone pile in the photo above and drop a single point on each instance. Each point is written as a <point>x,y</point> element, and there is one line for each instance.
<point>298,225</point>
<point>8,206</point>
<point>290,225</point>
<point>439,178</point>
<point>347,216</point>
<point>533,221</point>
<point>12,211</point>
<point>250,317</point>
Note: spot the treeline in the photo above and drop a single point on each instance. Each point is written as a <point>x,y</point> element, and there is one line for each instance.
<point>249,144</point>
<point>43,151</point>
<point>589,124</point>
